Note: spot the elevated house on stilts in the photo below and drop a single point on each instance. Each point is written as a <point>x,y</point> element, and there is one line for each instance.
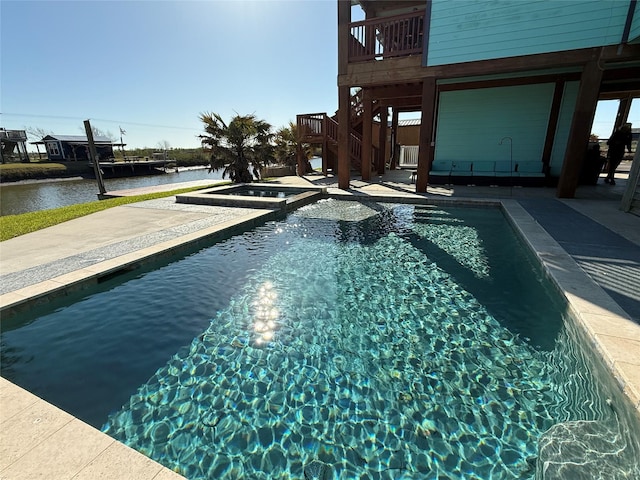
<point>504,89</point>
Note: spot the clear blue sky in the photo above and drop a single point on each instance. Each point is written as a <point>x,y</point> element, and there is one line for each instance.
<point>151,67</point>
<point>146,65</point>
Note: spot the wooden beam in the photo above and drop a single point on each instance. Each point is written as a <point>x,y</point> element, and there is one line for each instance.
<point>406,104</point>
<point>580,128</point>
<point>367,135</point>
<point>508,82</point>
<point>385,92</point>
<point>390,70</point>
<point>623,112</point>
<point>426,132</point>
<point>619,94</point>
<point>410,69</point>
<point>382,140</point>
<point>394,139</point>
<point>552,124</point>
<point>344,128</point>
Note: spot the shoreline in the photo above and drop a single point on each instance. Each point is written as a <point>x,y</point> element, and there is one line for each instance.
<point>75,177</point>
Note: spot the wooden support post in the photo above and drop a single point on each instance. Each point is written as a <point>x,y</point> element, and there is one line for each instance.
<point>302,168</point>
<point>344,18</point>
<point>382,140</point>
<point>344,107</point>
<point>552,125</point>
<point>367,136</point>
<point>632,183</point>
<point>623,112</point>
<point>395,147</point>
<point>94,158</point>
<point>344,130</point>
<point>426,133</point>
<point>325,145</point>
<point>580,129</point>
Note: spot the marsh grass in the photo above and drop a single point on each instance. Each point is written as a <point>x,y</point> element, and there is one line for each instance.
<point>12,172</point>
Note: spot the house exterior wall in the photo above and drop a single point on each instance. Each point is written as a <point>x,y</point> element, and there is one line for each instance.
<point>54,150</point>
<point>409,135</point>
<point>471,123</point>
<point>471,30</point>
<point>59,150</point>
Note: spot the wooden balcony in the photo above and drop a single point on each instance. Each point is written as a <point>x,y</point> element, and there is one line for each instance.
<point>386,37</point>
<point>13,135</point>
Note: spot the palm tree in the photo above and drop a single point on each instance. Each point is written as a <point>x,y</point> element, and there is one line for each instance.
<point>287,146</point>
<point>241,148</point>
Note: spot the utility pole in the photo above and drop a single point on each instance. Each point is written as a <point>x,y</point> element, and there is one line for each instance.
<point>122,132</point>
<point>94,159</point>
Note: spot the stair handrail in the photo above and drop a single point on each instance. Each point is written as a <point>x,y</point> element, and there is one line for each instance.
<point>355,145</point>
<point>322,125</point>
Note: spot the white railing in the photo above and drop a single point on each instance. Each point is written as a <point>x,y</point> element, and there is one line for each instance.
<point>408,156</point>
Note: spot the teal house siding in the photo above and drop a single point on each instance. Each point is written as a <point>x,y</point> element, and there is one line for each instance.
<point>472,30</point>
<point>471,123</point>
<point>563,128</point>
<point>634,34</point>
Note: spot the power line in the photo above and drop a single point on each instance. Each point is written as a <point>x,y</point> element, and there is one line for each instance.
<point>121,122</point>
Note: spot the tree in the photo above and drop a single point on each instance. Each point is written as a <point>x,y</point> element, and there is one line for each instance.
<point>100,133</point>
<point>287,143</point>
<point>164,145</point>
<point>241,148</point>
<point>37,132</point>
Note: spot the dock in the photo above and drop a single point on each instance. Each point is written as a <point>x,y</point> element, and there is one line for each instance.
<point>132,168</point>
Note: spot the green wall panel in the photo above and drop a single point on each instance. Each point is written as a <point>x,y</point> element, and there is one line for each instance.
<point>469,30</point>
<point>471,123</point>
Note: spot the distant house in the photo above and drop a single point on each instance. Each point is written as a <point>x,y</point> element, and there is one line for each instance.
<point>13,145</point>
<point>73,148</point>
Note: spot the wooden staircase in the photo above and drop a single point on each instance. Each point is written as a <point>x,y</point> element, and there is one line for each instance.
<point>322,129</point>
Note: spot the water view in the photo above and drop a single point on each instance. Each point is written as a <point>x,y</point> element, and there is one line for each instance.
<point>31,196</point>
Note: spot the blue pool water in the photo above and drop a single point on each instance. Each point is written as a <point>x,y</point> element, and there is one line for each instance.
<point>369,340</point>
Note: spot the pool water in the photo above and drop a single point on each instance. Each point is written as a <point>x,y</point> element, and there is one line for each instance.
<point>351,340</point>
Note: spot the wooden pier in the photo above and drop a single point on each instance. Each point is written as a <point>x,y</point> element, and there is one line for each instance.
<point>134,168</point>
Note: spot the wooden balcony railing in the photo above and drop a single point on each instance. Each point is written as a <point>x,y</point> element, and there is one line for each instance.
<point>386,37</point>
<point>14,135</point>
<point>311,125</point>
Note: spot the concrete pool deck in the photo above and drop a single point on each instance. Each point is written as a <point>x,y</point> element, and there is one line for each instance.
<point>587,245</point>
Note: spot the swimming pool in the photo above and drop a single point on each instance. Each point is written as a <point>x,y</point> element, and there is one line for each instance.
<point>385,341</point>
